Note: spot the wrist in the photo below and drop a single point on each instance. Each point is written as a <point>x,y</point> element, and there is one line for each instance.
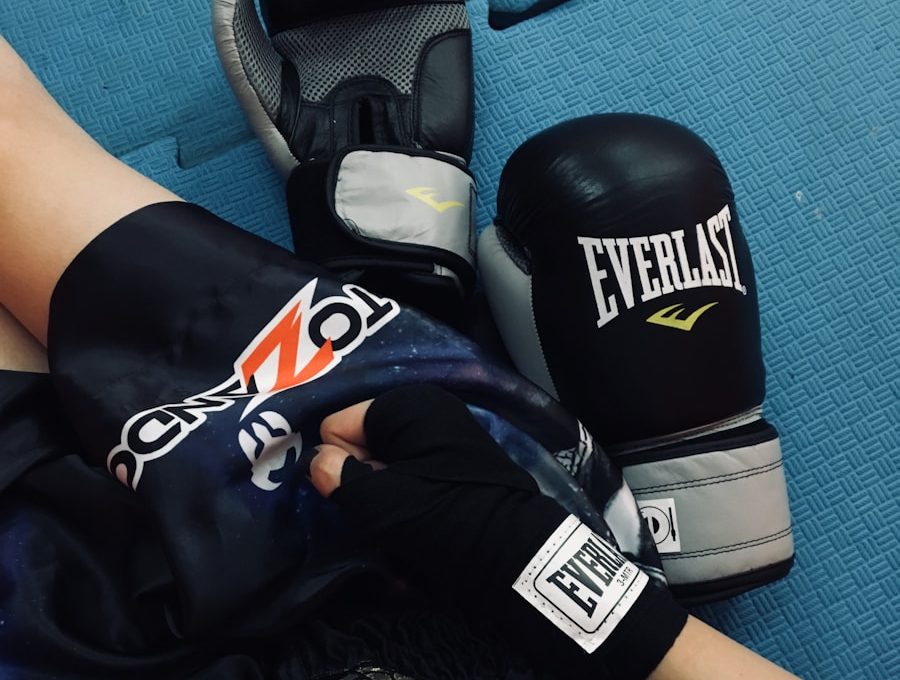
<point>580,604</point>
<point>703,652</point>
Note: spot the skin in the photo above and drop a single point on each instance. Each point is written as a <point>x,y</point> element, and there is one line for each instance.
<point>698,652</point>
<point>59,189</point>
<point>19,350</point>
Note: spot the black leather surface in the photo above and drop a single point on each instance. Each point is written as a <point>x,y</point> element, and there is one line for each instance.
<point>444,103</point>
<point>621,177</point>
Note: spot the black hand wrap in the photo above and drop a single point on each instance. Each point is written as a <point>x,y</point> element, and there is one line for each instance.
<point>456,515</point>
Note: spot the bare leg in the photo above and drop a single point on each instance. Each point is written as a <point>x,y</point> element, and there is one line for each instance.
<point>58,190</point>
<point>19,351</point>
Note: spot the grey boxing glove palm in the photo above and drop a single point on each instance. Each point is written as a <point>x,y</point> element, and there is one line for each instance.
<point>622,284</point>
<point>366,108</point>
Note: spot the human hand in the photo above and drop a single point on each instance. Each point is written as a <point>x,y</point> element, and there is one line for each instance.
<point>343,436</point>
<point>457,516</point>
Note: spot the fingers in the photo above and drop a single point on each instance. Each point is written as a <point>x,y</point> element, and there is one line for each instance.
<point>344,429</point>
<point>343,437</point>
<point>326,467</point>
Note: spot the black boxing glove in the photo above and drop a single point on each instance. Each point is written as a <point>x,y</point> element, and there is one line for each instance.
<point>622,284</point>
<point>455,514</point>
<point>366,106</point>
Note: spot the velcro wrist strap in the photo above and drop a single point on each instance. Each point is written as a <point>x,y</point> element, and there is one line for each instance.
<point>403,196</point>
<point>718,510</point>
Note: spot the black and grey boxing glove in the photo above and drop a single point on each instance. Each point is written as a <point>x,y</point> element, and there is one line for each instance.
<point>622,284</point>
<point>454,514</point>
<point>366,107</point>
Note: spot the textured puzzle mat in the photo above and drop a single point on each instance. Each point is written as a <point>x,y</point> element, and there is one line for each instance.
<point>802,103</point>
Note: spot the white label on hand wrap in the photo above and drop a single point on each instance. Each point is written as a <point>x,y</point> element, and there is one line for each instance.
<point>581,584</point>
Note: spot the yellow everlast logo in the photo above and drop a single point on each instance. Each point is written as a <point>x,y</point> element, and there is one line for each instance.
<point>625,272</point>
<point>669,316</point>
<point>428,196</point>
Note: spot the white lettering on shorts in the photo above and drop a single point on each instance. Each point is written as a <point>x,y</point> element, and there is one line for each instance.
<point>301,343</point>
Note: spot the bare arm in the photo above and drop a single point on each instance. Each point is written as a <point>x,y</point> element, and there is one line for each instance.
<point>699,652</point>
<point>703,652</point>
<point>58,190</point>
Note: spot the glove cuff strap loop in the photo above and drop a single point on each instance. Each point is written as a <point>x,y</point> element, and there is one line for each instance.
<point>393,195</point>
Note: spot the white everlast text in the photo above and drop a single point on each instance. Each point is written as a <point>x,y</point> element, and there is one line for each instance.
<point>661,263</point>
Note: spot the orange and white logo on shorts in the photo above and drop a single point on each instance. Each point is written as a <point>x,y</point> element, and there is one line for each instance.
<point>302,342</point>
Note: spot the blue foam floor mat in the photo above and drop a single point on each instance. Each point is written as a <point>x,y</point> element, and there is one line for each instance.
<point>802,103</point>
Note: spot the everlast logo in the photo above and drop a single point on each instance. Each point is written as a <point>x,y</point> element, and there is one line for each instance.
<point>581,583</point>
<point>589,571</point>
<point>661,263</point>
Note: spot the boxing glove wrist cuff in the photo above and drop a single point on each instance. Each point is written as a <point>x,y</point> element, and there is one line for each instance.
<point>398,220</point>
<point>396,196</point>
<point>718,508</point>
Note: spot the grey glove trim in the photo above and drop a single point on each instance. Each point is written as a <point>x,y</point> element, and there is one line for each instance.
<point>508,290</point>
<point>253,69</point>
<point>730,510</point>
<point>406,197</point>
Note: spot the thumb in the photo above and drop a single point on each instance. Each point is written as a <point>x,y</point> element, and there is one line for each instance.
<point>325,468</point>
<point>328,464</point>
